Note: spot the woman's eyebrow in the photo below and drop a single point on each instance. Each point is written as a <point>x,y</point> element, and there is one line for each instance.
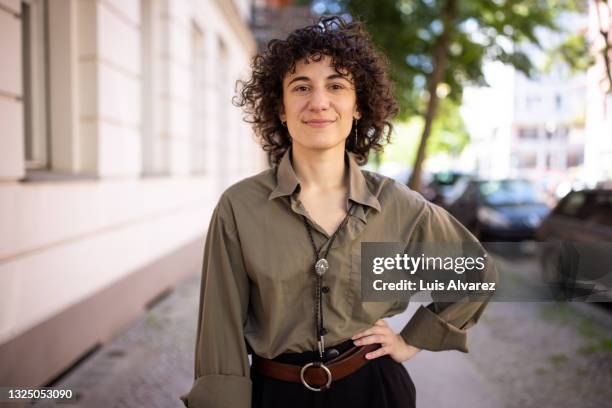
<point>305,78</point>
<point>339,76</point>
<point>300,78</point>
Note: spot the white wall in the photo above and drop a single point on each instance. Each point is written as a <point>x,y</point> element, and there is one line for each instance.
<point>65,239</point>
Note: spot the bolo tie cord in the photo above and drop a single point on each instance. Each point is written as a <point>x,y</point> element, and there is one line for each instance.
<point>318,312</point>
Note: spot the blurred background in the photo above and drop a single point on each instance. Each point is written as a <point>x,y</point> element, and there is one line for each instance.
<point>117,135</point>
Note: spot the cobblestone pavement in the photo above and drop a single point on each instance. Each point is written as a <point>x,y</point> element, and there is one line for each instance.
<point>521,355</point>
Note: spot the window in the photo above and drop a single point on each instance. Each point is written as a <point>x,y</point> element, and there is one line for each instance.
<point>532,102</point>
<point>558,102</point>
<point>528,133</point>
<point>35,56</point>
<point>508,192</point>
<point>155,146</point>
<point>575,158</point>
<point>198,137</point>
<point>600,212</point>
<point>526,160</point>
<point>572,204</point>
<point>593,207</point>
<point>223,100</point>
<point>563,134</point>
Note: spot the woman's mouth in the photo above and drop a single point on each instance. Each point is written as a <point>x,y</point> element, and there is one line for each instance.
<point>318,123</point>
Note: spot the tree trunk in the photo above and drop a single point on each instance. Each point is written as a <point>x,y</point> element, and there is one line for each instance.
<point>605,33</point>
<point>439,61</point>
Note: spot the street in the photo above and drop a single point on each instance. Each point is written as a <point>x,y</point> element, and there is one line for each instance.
<point>521,355</point>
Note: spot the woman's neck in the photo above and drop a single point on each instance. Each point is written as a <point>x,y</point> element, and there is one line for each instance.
<point>320,170</point>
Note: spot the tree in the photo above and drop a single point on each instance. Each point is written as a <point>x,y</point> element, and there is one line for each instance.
<point>437,47</point>
<point>603,9</point>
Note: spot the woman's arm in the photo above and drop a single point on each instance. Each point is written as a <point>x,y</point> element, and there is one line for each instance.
<point>442,325</point>
<point>221,360</point>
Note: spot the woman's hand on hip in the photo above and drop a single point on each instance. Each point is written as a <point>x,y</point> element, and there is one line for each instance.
<point>391,343</point>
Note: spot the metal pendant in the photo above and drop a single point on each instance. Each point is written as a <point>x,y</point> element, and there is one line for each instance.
<point>321,266</point>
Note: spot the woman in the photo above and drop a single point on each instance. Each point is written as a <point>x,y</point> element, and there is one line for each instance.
<point>281,274</point>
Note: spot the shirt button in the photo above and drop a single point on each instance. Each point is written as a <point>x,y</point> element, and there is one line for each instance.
<point>325,289</point>
<point>324,331</point>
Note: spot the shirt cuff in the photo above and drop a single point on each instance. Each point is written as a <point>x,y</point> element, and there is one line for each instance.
<point>219,391</point>
<point>426,330</point>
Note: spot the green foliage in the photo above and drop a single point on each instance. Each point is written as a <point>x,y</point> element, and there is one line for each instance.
<point>407,30</point>
<point>449,135</point>
<point>458,36</point>
<point>572,52</point>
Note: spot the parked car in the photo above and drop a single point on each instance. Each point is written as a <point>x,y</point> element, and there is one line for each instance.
<point>584,216</point>
<point>446,187</point>
<point>578,250</point>
<point>500,209</point>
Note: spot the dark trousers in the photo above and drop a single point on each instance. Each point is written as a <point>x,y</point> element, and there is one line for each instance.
<point>381,383</point>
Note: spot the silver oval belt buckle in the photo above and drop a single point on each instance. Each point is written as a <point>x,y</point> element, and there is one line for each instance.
<point>316,364</point>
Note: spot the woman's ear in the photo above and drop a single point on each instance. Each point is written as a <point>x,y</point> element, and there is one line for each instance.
<point>281,114</point>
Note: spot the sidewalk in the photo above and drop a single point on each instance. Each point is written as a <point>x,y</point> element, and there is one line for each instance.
<point>448,378</point>
<point>151,364</point>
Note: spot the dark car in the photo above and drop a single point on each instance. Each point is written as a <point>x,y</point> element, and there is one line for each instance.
<point>445,187</point>
<point>500,209</point>
<point>576,252</point>
<point>584,216</point>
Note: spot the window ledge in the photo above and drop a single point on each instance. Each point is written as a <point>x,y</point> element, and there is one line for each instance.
<point>35,176</point>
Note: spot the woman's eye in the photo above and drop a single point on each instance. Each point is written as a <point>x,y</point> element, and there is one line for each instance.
<point>337,86</point>
<point>301,88</point>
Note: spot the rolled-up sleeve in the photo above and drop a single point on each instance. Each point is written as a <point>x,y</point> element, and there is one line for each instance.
<point>221,359</point>
<point>443,325</point>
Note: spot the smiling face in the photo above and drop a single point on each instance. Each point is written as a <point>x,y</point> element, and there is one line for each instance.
<point>319,105</point>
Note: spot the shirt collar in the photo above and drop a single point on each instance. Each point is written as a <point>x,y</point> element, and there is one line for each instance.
<point>286,179</point>
<point>287,182</point>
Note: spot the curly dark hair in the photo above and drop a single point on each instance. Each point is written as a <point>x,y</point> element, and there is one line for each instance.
<point>350,48</point>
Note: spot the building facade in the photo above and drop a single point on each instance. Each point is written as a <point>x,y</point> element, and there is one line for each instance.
<point>548,134</point>
<point>558,130</point>
<point>533,128</point>
<point>118,135</point>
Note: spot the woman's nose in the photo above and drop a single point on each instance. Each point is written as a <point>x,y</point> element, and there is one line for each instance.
<point>319,100</point>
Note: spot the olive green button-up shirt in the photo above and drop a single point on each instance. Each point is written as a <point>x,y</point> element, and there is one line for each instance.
<point>257,278</point>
